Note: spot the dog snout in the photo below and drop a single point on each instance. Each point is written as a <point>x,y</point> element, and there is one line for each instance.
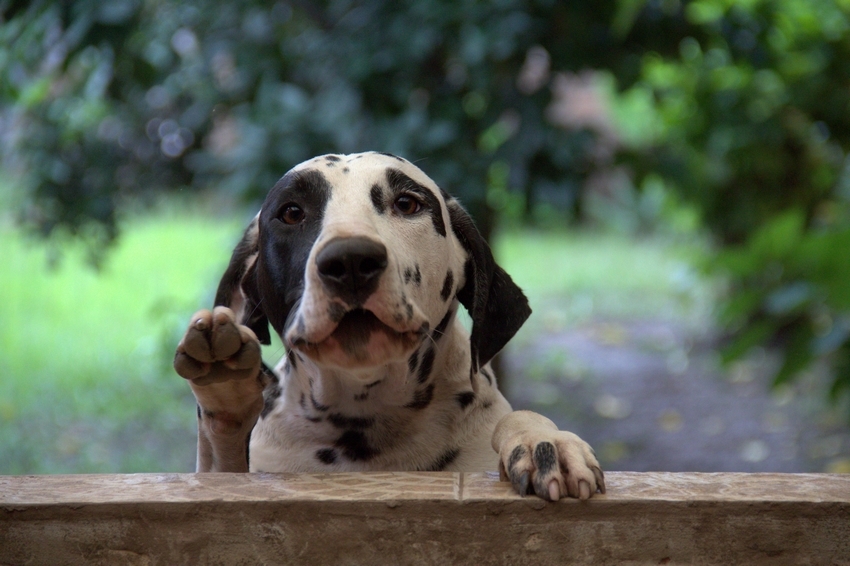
<point>351,267</point>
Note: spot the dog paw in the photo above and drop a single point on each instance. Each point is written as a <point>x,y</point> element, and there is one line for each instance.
<point>537,458</point>
<point>216,348</point>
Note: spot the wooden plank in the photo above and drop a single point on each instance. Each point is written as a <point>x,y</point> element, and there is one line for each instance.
<point>421,518</point>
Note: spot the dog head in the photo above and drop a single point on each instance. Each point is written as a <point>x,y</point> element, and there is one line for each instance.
<point>354,259</point>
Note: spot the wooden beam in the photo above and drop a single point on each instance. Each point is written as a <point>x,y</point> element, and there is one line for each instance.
<point>421,518</point>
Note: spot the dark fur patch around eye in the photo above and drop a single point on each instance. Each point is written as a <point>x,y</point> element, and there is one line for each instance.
<point>448,285</point>
<point>326,455</point>
<point>400,183</point>
<point>376,193</point>
<point>422,398</point>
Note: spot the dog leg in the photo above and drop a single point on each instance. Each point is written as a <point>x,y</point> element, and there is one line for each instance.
<point>538,458</point>
<point>221,360</point>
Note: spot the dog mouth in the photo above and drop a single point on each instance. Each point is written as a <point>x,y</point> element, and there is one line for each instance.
<point>356,328</point>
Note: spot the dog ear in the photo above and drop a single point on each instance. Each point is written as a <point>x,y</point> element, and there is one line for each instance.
<point>497,306</point>
<point>238,288</point>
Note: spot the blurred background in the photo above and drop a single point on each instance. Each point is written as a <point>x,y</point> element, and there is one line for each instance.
<point>668,180</point>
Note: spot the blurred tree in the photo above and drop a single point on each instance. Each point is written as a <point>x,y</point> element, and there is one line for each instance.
<point>744,116</point>
<point>113,101</point>
<point>753,128</point>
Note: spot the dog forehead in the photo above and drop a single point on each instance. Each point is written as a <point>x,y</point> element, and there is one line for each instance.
<point>361,171</point>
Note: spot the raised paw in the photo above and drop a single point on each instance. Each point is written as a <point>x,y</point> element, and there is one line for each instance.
<point>216,348</point>
<point>537,458</point>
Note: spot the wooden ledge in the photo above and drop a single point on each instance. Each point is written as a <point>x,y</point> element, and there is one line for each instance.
<point>421,518</point>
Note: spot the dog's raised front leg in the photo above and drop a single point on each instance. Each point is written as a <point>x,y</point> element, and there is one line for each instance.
<point>538,458</point>
<point>222,360</point>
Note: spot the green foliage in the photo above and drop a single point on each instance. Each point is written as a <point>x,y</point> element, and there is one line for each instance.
<point>753,130</point>
<point>131,96</point>
<point>733,115</point>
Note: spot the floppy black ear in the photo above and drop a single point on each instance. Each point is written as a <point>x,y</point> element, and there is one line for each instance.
<point>238,288</point>
<point>498,307</point>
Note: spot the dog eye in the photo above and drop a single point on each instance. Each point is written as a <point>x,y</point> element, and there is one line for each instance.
<point>407,205</point>
<point>292,214</point>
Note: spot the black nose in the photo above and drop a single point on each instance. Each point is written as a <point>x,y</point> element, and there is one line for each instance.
<point>351,267</point>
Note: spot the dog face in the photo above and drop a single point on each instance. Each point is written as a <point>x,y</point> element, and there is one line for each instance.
<point>353,260</point>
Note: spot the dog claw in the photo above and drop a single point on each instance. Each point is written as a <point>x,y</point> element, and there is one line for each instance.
<point>583,490</point>
<point>554,491</point>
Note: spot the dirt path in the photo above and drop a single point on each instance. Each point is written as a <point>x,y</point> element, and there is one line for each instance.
<point>650,395</point>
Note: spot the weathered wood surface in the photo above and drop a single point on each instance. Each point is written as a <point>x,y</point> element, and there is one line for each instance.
<point>421,518</point>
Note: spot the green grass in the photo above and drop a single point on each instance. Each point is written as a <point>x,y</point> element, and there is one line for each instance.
<point>85,356</point>
<point>86,383</point>
<point>570,277</point>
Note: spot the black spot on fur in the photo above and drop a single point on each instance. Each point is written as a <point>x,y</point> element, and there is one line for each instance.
<point>345,170</point>
<point>544,458</point>
<point>408,275</point>
<point>426,365</point>
<point>409,310</point>
<point>326,455</point>
<point>422,398</point>
<point>444,460</point>
<point>515,474</point>
<point>448,285</point>
<point>361,396</point>
<point>270,395</point>
<point>487,405</point>
<point>316,405</point>
<point>412,361</point>
<point>393,156</point>
<point>440,329</point>
<point>373,384</point>
<point>332,158</point>
<point>400,183</point>
<point>290,355</point>
<point>341,421</point>
<point>199,411</point>
<point>465,399</point>
<point>417,276</point>
<point>377,196</point>
<point>355,446</point>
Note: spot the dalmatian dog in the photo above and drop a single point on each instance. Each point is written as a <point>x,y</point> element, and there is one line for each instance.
<point>360,263</point>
